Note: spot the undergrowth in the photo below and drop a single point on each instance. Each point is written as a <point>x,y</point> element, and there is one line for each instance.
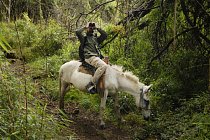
<point>22,115</point>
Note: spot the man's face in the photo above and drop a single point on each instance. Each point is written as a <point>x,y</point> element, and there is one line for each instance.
<point>91,28</point>
<point>90,32</point>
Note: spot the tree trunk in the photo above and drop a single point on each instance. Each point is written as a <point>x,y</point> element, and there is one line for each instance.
<point>175,7</point>
<point>9,11</point>
<point>209,71</point>
<point>40,10</point>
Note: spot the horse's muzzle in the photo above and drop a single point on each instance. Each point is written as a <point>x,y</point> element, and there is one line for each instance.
<point>146,114</point>
<point>146,118</point>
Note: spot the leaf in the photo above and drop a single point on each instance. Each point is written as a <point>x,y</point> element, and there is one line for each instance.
<point>63,113</point>
<point>3,43</point>
<point>3,131</point>
<point>14,133</point>
<point>3,46</point>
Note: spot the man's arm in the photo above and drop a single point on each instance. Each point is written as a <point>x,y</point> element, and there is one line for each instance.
<point>103,35</point>
<point>79,34</point>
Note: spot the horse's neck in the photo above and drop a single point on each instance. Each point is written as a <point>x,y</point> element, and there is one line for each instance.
<point>129,86</point>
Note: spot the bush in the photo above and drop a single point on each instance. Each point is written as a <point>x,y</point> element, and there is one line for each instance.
<point>189,121</point>
<point>34,40</point>
<point>17,121</point>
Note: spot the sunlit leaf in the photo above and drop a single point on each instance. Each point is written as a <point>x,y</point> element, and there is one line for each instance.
<point>3,43</point>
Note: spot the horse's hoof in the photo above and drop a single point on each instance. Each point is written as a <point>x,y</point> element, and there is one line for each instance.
<point>76,111</point>
<point>146,118</point>
<point>102,125</point>
<point>123,121</point>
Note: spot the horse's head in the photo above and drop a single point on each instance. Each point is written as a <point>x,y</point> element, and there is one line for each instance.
<point>144,103</point>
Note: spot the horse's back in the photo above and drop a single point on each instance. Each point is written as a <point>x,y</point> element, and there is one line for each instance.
<point>68,68</point>
<point>70,65</point>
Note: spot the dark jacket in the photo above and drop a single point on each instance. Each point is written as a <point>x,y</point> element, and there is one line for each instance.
<point>91,42</point>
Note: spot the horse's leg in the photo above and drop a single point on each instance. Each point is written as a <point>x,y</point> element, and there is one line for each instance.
<point>117,108</point>
<point>102,108</point>
<point>64,87</point>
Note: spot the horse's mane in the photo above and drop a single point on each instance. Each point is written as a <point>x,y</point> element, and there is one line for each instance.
<point>126,73</point>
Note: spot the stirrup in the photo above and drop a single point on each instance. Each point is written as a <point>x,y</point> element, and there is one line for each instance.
<point>91,88</point>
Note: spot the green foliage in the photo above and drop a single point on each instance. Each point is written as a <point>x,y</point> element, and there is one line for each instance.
<point>21,122</point>
<point>34,40</point>
<point>181,76</point>
<point>86,101</point>
<point>127,103</point>
<point>9,107</point>
<point>190,121</point>
<point>4,44</point>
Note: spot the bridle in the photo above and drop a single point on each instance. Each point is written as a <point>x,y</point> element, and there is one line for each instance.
<point>142,100</point>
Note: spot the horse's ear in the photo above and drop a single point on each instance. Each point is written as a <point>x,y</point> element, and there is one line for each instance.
<point>149,87</point>
<point>146,88</point>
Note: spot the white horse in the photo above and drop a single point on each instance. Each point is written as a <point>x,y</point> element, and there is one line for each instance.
<point>115,80</point>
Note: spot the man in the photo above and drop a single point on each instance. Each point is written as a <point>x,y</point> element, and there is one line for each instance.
<point>91,52</point>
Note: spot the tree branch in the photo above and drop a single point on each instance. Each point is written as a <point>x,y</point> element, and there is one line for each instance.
<point>168,45</point>
<point>97,7</point>
<point>139,12</point>
<point>109,40</point>
<point>4,5</point>
<point>191,23</point>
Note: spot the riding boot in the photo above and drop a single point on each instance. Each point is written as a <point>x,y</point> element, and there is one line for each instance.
<point>91,88</point>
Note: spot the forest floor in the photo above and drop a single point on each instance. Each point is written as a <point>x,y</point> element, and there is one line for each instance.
<point>84,124</point>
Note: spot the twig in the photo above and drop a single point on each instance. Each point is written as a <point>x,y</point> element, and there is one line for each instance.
<point>25,90</point>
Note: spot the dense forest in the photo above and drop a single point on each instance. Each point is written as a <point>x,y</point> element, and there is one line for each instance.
<point>163,42</point>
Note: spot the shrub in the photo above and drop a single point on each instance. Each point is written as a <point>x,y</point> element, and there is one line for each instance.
<point>34,40</point>
<point>17,121</point>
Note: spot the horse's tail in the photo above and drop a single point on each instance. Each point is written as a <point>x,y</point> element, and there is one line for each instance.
<point>60,96</point>
<point>59,78</point>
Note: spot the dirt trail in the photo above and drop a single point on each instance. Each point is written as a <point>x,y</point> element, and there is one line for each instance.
<point>84,124</point>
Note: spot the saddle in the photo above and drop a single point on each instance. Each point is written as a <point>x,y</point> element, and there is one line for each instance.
<point>89,69</point>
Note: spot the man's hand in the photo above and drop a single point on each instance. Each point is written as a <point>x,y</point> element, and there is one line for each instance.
<point>91,26</point>
<point>86,27</point>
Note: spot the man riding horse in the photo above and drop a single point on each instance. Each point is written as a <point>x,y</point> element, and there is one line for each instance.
<point>115,79</point>
<point>90,53</point>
